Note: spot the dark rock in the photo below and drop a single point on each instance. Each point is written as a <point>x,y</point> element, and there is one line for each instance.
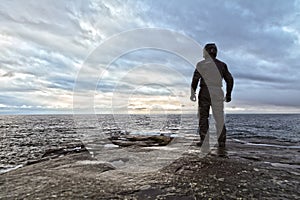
<point>148,193</point>
<point>70,148</point>
<point>254,158</point>
<point>31,162</point>
<point>140,140</point>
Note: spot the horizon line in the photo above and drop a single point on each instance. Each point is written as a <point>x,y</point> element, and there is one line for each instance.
<point>230,113</point>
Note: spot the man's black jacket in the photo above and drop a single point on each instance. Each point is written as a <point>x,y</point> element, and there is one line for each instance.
<point>210,72</point>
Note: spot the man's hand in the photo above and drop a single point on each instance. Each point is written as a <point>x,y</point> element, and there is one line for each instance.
<point>228,98</point>
<point>193,97</point>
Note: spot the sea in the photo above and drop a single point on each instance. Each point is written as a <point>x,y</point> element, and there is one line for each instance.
<point>25,138</point>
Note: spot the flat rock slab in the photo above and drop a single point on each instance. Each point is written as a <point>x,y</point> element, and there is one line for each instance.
<point>79,176</point>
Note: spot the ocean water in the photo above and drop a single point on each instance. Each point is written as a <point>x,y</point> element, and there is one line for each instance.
<point>27,137</point>
<point>275,127</point>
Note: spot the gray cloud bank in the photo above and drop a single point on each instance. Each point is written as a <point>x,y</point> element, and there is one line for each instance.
<point>44,44</point>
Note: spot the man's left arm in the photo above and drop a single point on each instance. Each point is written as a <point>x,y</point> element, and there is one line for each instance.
<point>229,83</point>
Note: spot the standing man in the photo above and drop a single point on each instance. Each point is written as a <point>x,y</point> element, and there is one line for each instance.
<point>211,73</point>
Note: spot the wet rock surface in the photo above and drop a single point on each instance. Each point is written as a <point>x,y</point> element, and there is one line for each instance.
<point>239,171</point>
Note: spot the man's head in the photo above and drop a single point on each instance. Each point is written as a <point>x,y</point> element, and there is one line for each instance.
<point>210,50</point>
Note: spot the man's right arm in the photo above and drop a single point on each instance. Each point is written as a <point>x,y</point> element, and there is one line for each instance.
<point>195,81</point>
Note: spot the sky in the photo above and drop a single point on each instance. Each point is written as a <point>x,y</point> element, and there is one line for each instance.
<point>135,56</point>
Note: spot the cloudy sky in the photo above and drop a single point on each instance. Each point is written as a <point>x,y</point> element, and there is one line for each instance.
<point>100,56</point>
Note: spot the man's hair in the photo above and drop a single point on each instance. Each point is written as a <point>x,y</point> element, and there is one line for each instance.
<point>211,49</point>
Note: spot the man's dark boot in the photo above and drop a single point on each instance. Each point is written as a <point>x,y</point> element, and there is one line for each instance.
<point>222,144</point>
<point>204,142</point>
<point>199,144</point>
<point>222,138</point>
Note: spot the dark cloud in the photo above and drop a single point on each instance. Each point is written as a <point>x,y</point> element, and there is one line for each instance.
<point>8,74</point>
<point>61,83</point>
<point>14,100</point>
<point>266,78</point>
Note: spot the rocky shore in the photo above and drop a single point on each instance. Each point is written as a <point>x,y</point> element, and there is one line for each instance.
<point>241,171</point>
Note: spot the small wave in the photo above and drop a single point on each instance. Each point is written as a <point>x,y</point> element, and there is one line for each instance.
<point>2,171</point>
<point>284,165</point>
<point>267,145</point>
